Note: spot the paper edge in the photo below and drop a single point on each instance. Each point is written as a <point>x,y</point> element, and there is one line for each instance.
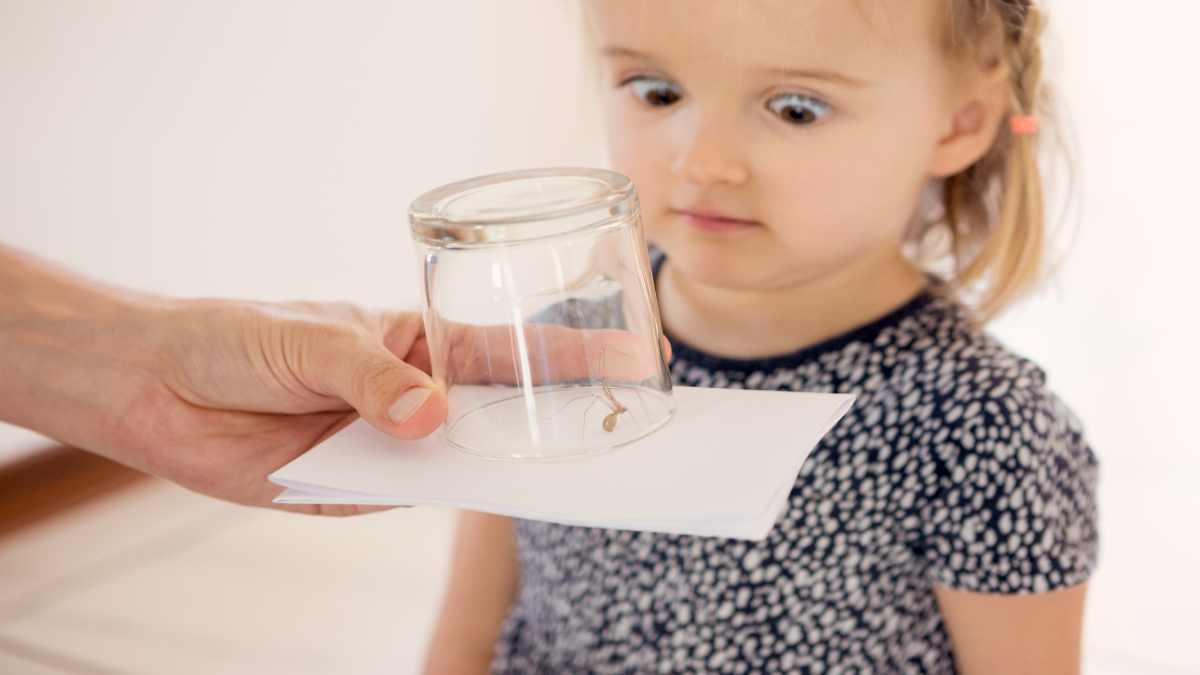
<point>746,527</point>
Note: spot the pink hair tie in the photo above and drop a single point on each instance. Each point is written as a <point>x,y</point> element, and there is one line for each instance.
<point>1023,124</point>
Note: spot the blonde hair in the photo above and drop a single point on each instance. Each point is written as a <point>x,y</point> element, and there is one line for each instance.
<point>991,222</point>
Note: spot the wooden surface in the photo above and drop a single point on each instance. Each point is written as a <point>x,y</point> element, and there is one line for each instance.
<point>54,480</point>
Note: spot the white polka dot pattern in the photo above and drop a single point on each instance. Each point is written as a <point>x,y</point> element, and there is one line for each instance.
<point>955,468</point>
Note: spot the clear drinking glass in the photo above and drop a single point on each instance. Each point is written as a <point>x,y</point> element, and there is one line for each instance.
<point>540,313</point>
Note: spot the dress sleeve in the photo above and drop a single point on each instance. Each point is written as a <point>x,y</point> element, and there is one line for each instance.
<point>1015,509</point>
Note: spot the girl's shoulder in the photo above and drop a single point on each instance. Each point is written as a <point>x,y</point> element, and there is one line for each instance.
<point>939,348</point>
<point>965,377</point>
<point>1004,464</point>
<point>923,372</point>
<point>953,389</point>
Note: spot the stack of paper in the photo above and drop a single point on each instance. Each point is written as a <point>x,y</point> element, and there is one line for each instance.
<point>723,466</point>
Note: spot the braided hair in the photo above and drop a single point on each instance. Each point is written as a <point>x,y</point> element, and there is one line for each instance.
<point>991,222</point>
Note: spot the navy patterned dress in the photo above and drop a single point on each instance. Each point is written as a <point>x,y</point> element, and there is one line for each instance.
<point>955,468</point>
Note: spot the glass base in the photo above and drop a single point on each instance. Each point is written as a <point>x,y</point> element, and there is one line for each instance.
<point>554,422</point>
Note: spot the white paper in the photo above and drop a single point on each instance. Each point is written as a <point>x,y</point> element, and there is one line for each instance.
<point>723,466</point>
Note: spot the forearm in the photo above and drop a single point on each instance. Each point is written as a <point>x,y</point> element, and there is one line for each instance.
<point>483,584</point>
<point>73,353</point>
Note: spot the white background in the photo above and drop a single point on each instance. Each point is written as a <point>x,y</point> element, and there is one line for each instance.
<point>268,149</point>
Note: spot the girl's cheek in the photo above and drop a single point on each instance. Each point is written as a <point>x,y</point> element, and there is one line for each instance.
<point>637,156</point>
<point>640,156</point>
<point>623,133</point>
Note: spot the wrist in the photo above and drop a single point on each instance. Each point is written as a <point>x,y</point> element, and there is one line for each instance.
<point>73,353</point>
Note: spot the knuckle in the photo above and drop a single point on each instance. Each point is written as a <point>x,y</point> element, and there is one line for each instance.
<point>316,350</point>
<point>374,382</point>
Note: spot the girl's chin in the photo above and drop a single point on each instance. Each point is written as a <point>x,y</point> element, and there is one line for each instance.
<point>712,269</point>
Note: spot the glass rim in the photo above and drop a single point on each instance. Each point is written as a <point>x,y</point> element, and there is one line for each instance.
<point>426,211</point>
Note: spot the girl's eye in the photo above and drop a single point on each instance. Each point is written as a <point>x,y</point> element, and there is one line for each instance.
<point>655,91</point>
<point>798,108</point>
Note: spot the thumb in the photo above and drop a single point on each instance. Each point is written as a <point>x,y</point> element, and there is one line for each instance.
<point>391,395</point>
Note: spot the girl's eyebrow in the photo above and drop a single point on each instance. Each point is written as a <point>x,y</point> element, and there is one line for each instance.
<point>826,75</point>
<point>832,76</point>
<point>624,52</point>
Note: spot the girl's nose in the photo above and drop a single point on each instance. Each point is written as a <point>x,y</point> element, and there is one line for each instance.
<point>708,155</point>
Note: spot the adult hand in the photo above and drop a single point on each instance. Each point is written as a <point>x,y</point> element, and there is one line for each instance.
<point>211,394</point>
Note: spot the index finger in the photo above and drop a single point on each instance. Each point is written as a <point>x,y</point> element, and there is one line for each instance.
<point>543,353</point>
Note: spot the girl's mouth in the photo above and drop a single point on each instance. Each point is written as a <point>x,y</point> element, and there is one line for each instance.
<point>710,220</point>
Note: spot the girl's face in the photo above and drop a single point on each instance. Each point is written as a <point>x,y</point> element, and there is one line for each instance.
<point>774,143</point>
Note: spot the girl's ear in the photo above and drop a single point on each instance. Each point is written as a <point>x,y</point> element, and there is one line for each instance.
<point>974,124</point>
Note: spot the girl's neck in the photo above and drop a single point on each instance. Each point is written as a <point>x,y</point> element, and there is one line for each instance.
<point>748,324</point>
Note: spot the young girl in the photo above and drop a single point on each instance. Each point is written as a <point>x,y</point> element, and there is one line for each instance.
<point>781,150</point>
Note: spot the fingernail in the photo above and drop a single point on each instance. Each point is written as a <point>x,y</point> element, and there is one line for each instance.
<point>408,404</point>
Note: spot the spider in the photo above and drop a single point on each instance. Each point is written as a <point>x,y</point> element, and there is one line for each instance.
<point>608,399</point>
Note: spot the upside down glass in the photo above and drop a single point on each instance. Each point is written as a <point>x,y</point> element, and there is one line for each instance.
<point>540,313</point>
